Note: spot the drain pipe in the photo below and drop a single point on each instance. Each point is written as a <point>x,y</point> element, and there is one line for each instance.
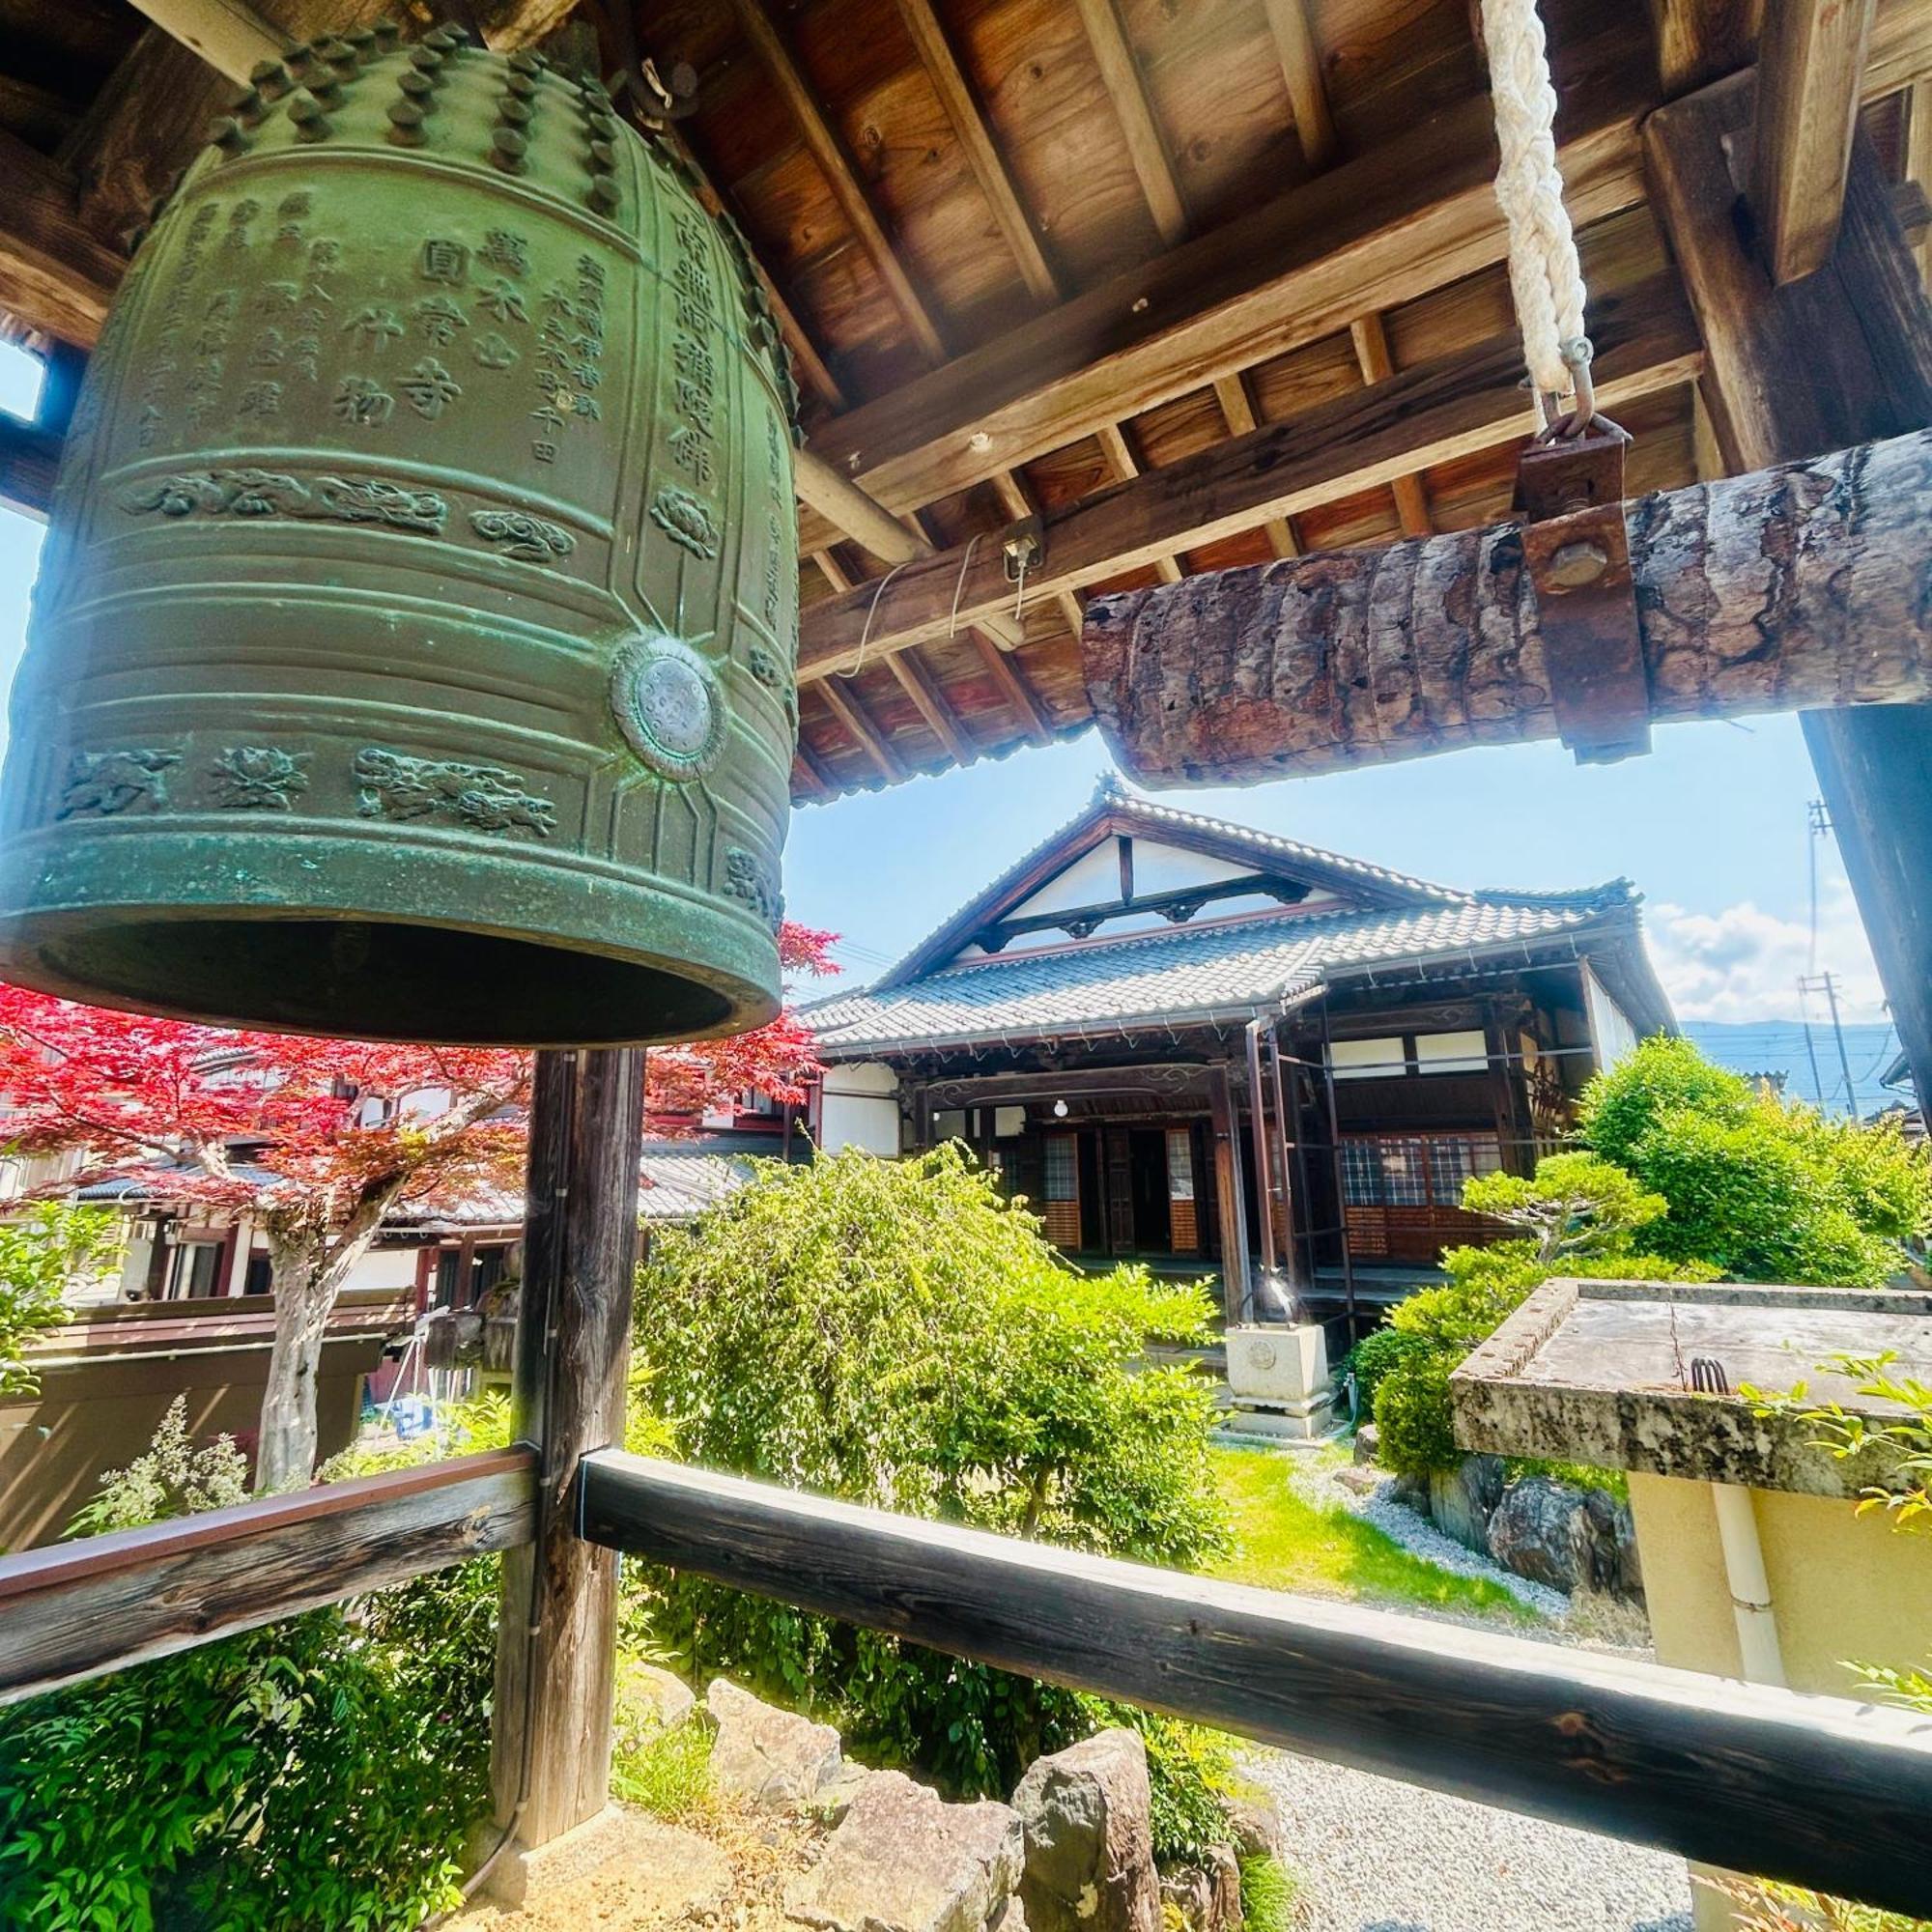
<point>1761,1660</point>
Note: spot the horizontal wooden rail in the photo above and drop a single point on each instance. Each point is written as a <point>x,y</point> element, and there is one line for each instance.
<point>1818,1791</point>
<point>80,1609</point>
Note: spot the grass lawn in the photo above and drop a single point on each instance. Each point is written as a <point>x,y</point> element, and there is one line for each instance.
<point>1285,1543</point>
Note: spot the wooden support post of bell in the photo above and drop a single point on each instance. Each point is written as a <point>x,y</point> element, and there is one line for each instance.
<point>413,655</point>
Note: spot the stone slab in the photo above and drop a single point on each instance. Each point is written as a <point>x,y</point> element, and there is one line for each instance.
<point>1597,1372</point>
<point>621,1871</point>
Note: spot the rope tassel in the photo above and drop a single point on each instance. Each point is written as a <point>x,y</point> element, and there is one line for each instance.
<point>1546,276</point>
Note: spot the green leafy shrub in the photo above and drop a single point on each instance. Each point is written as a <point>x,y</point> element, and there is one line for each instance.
<point>1760,1188</point>
<point>171,1477</point>
<point>43,1252</point>
<point>661,1769</point>
<point>1375,1356</point>
<point>1412,1417</point>
<point>320,1772</point>
<point>894,1333</point>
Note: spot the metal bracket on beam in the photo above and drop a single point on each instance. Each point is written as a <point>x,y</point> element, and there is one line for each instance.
<point>1569,493</point>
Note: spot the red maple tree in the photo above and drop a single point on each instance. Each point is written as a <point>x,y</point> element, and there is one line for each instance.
<point>316,1141</point>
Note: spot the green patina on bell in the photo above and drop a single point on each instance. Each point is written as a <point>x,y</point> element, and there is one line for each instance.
<point>412,654</point>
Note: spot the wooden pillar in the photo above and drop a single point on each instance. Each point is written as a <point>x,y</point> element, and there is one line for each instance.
<point>556,1629</point>
<point>1227,1196</point>
<point>1821,363</point>
<point>1258,1142</point>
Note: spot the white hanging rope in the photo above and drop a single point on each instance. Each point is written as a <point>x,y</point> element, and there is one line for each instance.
<point>1546,277</point>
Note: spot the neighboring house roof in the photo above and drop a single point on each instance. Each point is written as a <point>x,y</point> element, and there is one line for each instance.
<point>680,1181</point>
<point>1218,969</point>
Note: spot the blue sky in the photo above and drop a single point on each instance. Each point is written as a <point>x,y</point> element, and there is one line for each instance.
<point>1711,828</point>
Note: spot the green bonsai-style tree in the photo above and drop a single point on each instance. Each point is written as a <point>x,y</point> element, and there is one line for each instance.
<point>1578,1215</point>
<point>894,1333</point>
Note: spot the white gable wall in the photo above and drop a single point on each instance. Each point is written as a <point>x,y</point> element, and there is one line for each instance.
<point>1094,880</point>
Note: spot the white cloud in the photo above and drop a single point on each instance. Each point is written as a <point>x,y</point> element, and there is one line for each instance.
<point>1743,963</point>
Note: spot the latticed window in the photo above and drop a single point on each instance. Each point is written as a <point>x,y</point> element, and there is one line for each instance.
<point>1362,1173</point>
<point>1063,1169</point>
<point>1452,1161</point>
<point>1179,1165</point>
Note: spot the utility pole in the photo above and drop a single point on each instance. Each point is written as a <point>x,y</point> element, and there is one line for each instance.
<point>1810,1044</point>
<point>1826,984</point>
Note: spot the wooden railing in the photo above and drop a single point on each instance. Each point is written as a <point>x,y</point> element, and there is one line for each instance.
<point>1820,1791</point>
<point>78,1609</point>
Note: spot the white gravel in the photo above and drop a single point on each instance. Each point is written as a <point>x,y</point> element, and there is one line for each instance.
<point>1375,1856</point>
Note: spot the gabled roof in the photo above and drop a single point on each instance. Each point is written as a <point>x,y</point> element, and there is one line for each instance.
<point>1116,810</point>
<point>1227,969</point>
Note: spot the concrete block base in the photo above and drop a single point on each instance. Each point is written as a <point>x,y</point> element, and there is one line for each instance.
<point>1282,1366</point>
<point>1301,1422</point>
<point>654,1868</point>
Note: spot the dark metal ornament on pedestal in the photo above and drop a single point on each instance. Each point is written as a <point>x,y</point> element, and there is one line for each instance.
<point>413,655</point>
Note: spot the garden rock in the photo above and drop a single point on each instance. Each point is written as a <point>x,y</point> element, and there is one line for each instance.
<point>905,1861</point>
<point>1462,1500</point>
<point>1208,1896</point>
<point>1254,1823</point>
<point>1534,1531</point>
<point>1361,1482</point>
<point>1088,1844</point>
<point>655,1695</point>
<point>1368,1443</point>
<point>766,1755</point>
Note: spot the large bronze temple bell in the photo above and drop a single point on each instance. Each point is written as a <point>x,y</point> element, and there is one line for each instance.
<point>413,652</point>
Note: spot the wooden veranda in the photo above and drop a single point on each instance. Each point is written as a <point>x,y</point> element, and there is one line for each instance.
<point>1094,295</point>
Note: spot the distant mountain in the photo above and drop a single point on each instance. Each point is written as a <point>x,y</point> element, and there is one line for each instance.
<point>1777,1046</point>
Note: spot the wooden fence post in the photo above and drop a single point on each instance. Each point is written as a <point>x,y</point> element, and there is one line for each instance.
<point>1841,356</point>
<point>556,1627</point>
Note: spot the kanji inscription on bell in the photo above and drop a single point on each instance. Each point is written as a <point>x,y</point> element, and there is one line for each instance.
<point>413,651</point>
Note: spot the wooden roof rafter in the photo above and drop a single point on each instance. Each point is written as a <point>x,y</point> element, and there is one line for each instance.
<point>773,48</point>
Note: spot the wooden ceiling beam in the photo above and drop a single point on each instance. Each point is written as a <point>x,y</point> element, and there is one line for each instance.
<point>1237,411</point>
<point>1019,694</point>
<point>1405,218</point>
<point>1120,76</point>
<point>1810,75</point>
<point>1126,465</point>
<point>956,94</point>
<point>1700,40</point>
<point>56,274</point>
<point>841,173</point>
<point>844,705</point>
<point>929,702</point>
<point>1376,363</point>
<point>1437,411</point>
<point>232,38</point>
<point>1307,88</point>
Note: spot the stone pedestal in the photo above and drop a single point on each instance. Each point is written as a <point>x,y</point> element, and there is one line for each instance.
<point>1279,1379</point>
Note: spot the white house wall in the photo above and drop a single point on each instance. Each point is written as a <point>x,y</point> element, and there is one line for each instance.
<point>858,1106</point>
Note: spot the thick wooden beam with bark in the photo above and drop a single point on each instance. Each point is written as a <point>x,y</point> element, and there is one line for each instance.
<point>1804,586</point>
